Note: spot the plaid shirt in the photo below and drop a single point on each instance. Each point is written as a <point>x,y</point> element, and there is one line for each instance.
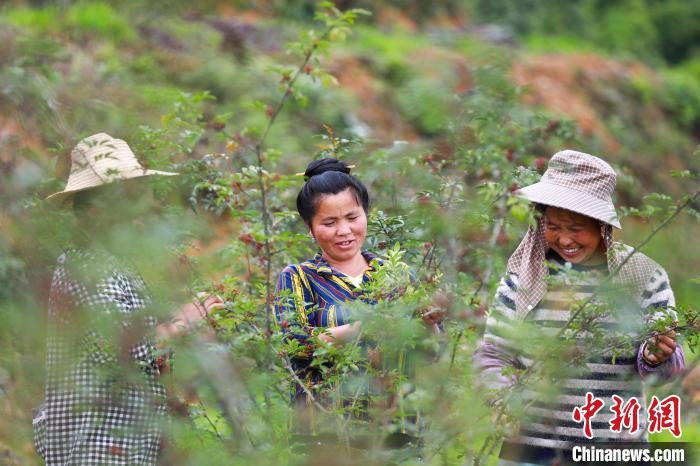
<point>90,416</point>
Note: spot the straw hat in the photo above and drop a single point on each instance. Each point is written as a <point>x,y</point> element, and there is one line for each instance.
<point>98,160</point>
<point>577,182</point>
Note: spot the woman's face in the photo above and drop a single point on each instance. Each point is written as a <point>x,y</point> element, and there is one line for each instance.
<point>339,226</point>
<point>575,237</point>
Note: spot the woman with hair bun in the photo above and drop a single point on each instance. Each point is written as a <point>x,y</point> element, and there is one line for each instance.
<point>334,206</point>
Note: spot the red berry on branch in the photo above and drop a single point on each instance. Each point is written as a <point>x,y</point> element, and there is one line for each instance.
<point>308,69</point>
<point>553,125</point>
<point>284,324</point>
<point>540,164</point>
<point>269,111</point>
<point>502,239</point>
<point>246,238</point>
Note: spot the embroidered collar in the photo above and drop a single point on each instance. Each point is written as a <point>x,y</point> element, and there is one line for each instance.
<point>323,267</point>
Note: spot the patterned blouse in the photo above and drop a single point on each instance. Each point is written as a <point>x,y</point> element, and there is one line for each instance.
<point>310,295</point>
<point>90,416</point>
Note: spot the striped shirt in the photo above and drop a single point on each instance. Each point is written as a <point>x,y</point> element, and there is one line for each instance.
<point>549,425</point>
<point>311,295</point>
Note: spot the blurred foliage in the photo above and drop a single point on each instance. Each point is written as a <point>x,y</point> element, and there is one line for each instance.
<point>645,29</point>
<point>428,112</point>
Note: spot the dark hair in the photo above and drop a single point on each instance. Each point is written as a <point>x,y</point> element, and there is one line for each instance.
<point>328,176</point>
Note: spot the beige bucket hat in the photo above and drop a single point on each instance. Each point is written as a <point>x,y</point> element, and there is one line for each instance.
<point>98,160</point>
<point>577,182</point>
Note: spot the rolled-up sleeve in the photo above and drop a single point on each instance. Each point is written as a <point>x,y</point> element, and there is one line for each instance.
<point>672,366</point>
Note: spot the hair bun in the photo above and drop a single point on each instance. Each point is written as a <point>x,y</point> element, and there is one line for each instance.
<point>327,164</point>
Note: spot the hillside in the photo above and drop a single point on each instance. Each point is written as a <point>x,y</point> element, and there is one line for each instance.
<point>443,108</point>
<point>69,74</point>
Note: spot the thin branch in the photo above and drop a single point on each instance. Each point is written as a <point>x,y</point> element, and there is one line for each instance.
<point>259,150</point>
<point>636,249</point>
<point>206,416</point>
<point>295,377</point>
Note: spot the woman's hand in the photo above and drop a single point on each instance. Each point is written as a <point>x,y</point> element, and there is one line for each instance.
<point>210,303</point>
<point>433,317</point>
<point>200,308</point>
<point>662,348</point>
<point>189,314</point>
<point>436,313</point>
<point>341,334</point>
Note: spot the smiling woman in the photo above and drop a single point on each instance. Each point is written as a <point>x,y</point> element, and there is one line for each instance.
<point>334,206</point>
<point>339,227</point>
<point>575,237</point>
<point>562,262</point>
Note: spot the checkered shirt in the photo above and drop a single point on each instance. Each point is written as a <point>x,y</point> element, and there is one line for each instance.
<point>99,409</point>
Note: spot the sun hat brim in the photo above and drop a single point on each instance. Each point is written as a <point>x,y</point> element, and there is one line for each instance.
<point>571,199</point>
<point>60,198</point>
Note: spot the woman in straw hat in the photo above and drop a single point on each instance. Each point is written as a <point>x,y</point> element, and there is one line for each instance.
<point>565,259</point>
<point>99,332</point>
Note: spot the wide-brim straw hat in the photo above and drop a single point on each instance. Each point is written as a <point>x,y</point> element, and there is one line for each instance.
<point>98,160</point>
<point>578,182</point>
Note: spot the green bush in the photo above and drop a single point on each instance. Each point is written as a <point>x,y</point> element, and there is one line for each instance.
<point>627,28</point>
<point>43,19</point>
<point>100,19</point>
<point>680,95</point>
<point>427,103</point>
<point>677,23</point>
<point>645,29</point>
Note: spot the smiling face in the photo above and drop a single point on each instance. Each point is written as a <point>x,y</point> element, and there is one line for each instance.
<point>575,237</point>
<point>339,226</point>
